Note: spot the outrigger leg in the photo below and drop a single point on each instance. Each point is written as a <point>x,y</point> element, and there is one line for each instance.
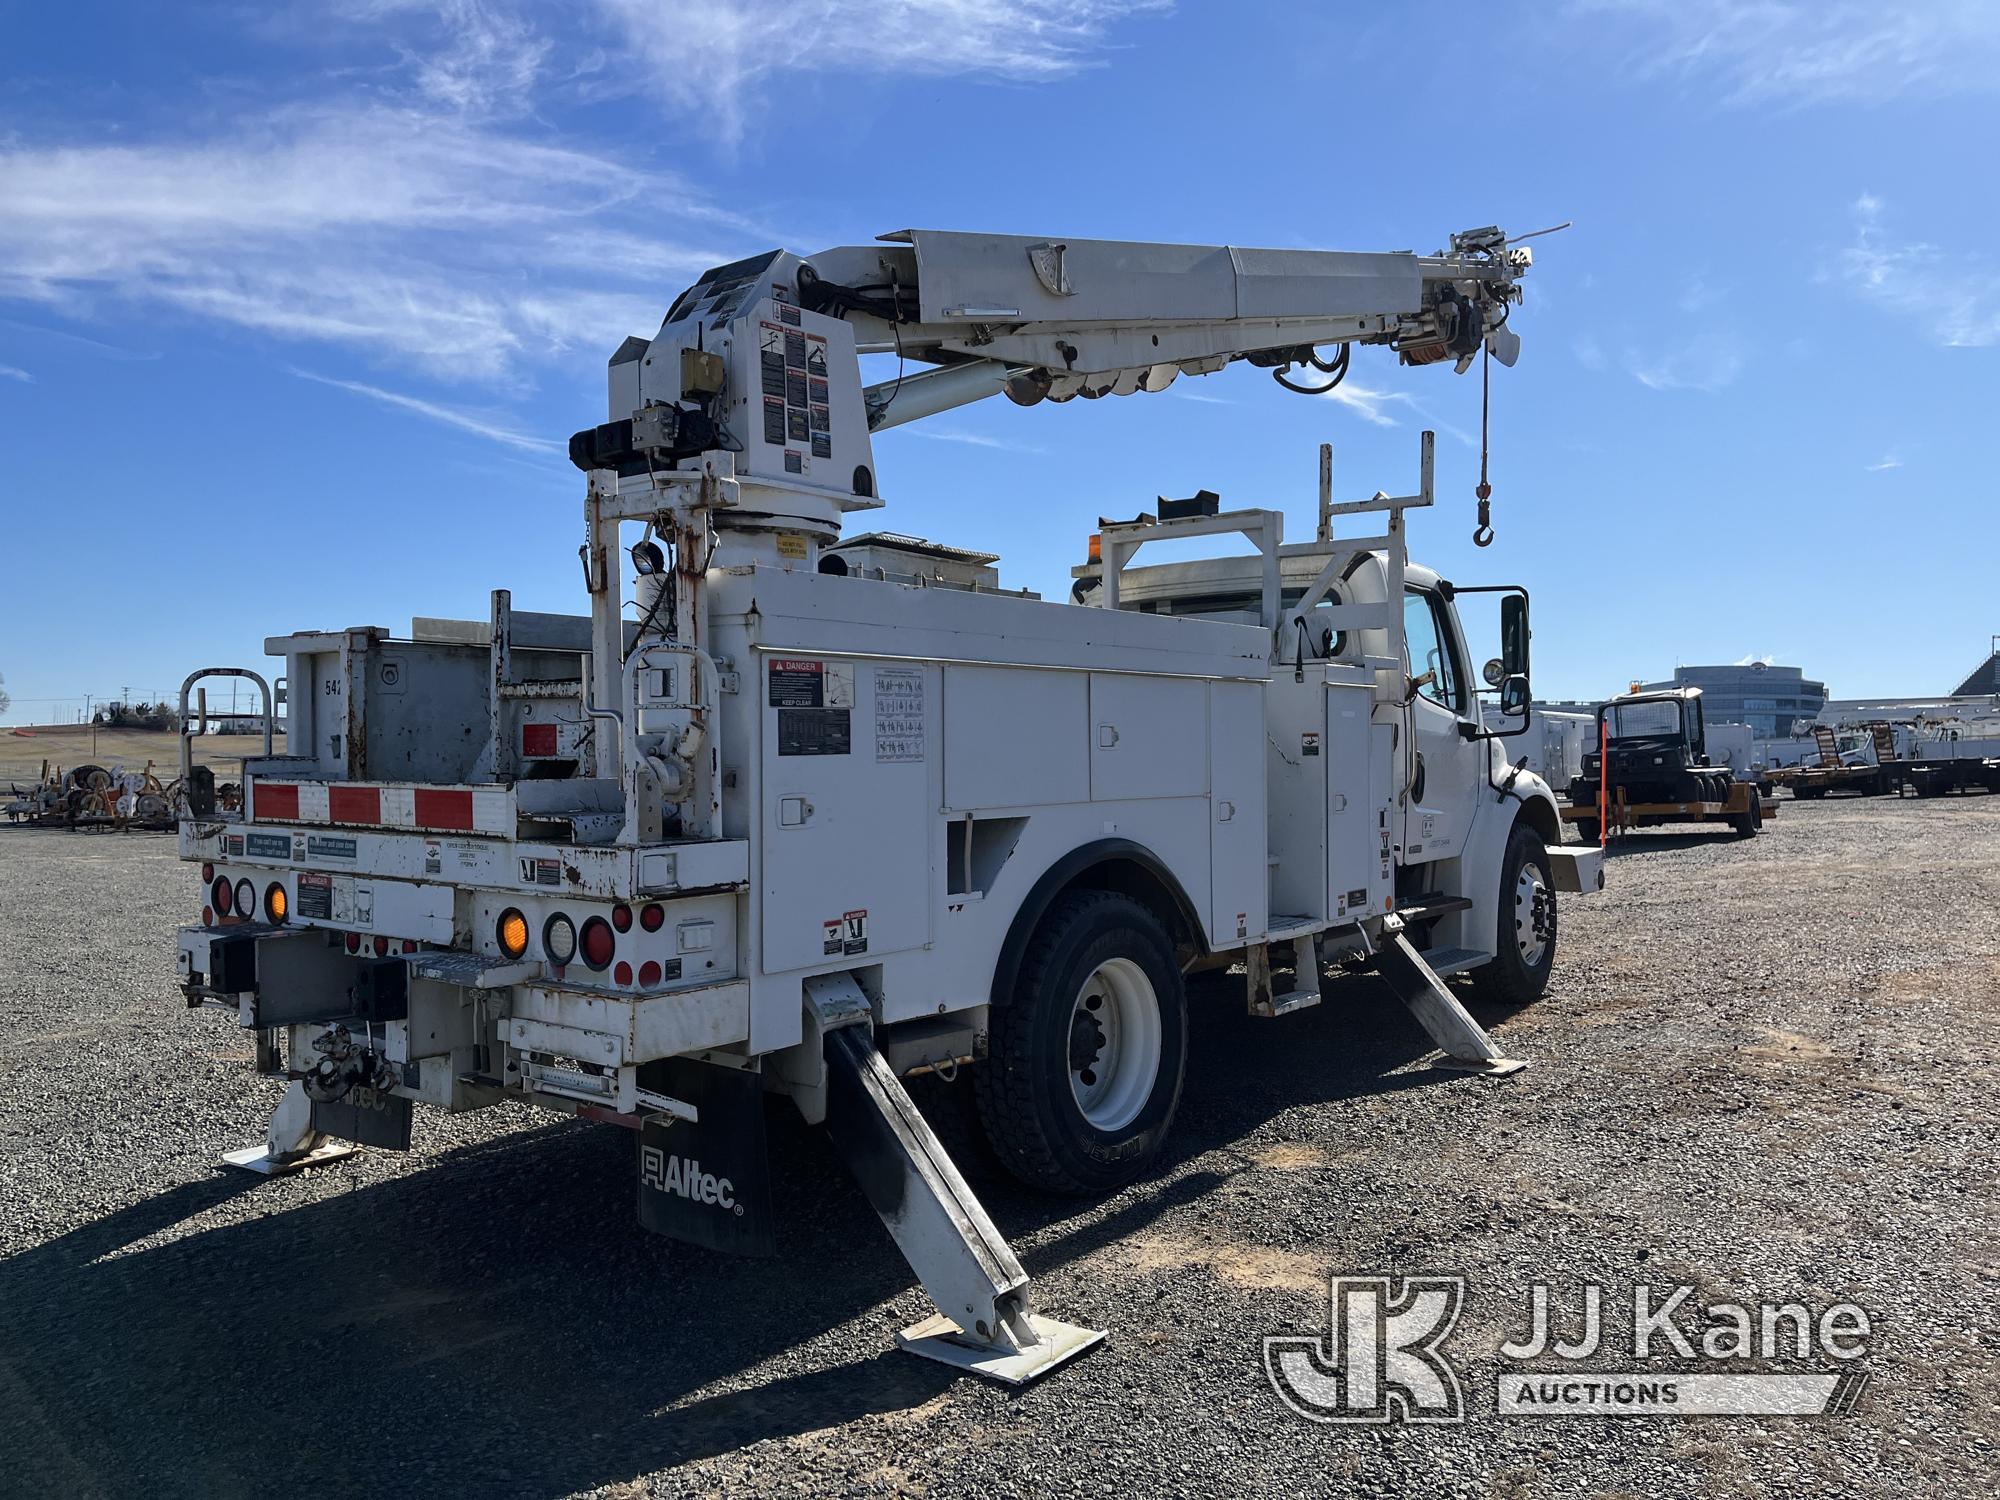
<point>987,1325</point>
<point>290,1142</point>
<point>1463,1040</point>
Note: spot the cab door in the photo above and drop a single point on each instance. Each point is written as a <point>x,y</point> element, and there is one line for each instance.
<point>1441,764</point>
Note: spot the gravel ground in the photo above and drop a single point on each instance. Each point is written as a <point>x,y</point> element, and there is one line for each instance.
<point>1765,1069</point>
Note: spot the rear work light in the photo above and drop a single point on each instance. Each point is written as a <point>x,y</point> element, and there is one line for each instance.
<point>511,932</point>
<point>221,897</point>
<point>246,899</point>
<point>277,905</point>
<point>559,939</point>
<point>598,943</point>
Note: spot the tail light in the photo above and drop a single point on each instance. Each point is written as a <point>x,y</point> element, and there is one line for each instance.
<point>649,973</point>
<point>208,916</point>
<point>559,939</point>
<point>409,945</point>
<point>207,873</point>
<point>511,932</point>
<point>598,944</point>
<point>221,896</point>
<point>622,974</point>
<point>354,942</point>
<point>381,946</point>
<point>621,917</point>
<point>277,905</point>
<point>246,899</point>
<point>652,916</point>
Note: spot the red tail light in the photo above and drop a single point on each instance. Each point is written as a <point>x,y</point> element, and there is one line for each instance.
<point>621,917</point>
<point>622,974</point>
<point>649,973</point>
<point>381,946</point>
<point>221,896</point>
<point>598,945</point>
<point>354,942</point>
<point>207,873</point>
<point>652,915</point>
<point>409,945</point>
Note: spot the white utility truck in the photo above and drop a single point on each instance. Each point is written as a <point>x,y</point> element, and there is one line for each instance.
<point>809,817</point>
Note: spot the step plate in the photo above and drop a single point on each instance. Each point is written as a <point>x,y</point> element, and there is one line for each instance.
<point>1285,1004</point>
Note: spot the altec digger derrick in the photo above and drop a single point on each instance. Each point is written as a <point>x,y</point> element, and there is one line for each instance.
<point>804,817</point>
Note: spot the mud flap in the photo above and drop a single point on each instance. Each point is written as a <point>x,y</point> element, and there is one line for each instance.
<point>368,1117</point>
<point>708,1181</point>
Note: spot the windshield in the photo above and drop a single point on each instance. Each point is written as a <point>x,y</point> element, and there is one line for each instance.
<point>1630,721</point>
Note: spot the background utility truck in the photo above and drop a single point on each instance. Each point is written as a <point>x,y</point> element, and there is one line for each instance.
<point>1651,766</point>
<point>808,820</point>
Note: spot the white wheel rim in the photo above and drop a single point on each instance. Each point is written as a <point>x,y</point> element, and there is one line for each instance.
<point>1114,1044</point>
<point>1534,914</point>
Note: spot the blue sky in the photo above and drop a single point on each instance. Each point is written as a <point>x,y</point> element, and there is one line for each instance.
<point>297,311</point>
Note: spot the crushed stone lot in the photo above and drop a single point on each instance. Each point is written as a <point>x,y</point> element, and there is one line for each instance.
<point>1766,1069</point>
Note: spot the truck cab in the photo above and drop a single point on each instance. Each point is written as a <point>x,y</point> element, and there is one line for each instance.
<point>1657,743</point>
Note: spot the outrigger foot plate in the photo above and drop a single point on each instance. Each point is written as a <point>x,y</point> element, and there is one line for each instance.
<point>1056,1344</point>
<point>290,1142</point>
<point>987,1325</point>
<point>259,1159</point>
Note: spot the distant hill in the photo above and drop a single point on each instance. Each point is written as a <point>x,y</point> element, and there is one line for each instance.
<point>23,749</point>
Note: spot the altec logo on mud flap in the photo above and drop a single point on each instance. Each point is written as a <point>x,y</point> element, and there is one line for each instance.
<point>685,1179</point>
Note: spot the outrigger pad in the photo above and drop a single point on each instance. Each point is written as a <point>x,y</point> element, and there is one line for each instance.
<point>1056,1344</point>
<point>259,1159</point>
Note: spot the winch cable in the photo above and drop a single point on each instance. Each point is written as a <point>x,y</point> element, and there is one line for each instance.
<point>1482,534</point>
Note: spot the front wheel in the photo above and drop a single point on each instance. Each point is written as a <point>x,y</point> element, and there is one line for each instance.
<point>1519,973</point>
<point>1087,1056</point>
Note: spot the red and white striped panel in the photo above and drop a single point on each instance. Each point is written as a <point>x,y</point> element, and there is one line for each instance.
<point>363,804</point>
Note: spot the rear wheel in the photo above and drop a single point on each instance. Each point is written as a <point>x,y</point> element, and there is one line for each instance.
<point>1519,973</point>
<point>1087,1056</point>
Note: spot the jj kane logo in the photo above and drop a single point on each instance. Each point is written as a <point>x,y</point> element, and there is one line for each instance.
<point>1383,1357</point>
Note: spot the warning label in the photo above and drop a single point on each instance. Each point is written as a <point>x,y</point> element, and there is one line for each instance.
<point>815,731</point>
<point>899,713</point>
<point>797,684</point>
<point>315,895</point>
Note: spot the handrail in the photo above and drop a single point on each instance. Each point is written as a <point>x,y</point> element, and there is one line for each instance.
<point>187,733</point>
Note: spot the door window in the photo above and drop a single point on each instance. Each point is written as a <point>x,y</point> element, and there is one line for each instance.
<point>1431,659</point>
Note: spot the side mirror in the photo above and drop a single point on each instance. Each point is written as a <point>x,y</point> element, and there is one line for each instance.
<point>1514,697</point>
<point>1514,634</point>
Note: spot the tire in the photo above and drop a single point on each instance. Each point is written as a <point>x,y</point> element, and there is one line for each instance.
<point>1098,981</point>
<point>1519,973</point>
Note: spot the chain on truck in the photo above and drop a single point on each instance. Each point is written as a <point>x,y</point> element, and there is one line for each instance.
<point>806,816</point>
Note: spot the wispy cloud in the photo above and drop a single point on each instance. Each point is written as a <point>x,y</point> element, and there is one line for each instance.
<point>1886,462</point>
<point>1372,406</point>
<point>480,424</point>
<point>717,60</point>
<point>1707,362</point>
<point>1179,388</point>
<point>77,341</point>
<point>15,372</point>
<point>1956,297</point>
<point>1589,353</point>
<point>412,235</point>
<point>1803,52</point>
<point>970,439</point>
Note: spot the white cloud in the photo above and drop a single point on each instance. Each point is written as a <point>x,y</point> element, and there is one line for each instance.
<point>15,372</point>
<point>1589,353</point>
<point>970,439</point>
<point>1707,362</point>
<point>1369,404</point>
<point>716,59</point>
<point>478,423</point>
<point>1886,462</point>
<point>402,232</point>
<point>1815,51</point>
<point>1955,297</point>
